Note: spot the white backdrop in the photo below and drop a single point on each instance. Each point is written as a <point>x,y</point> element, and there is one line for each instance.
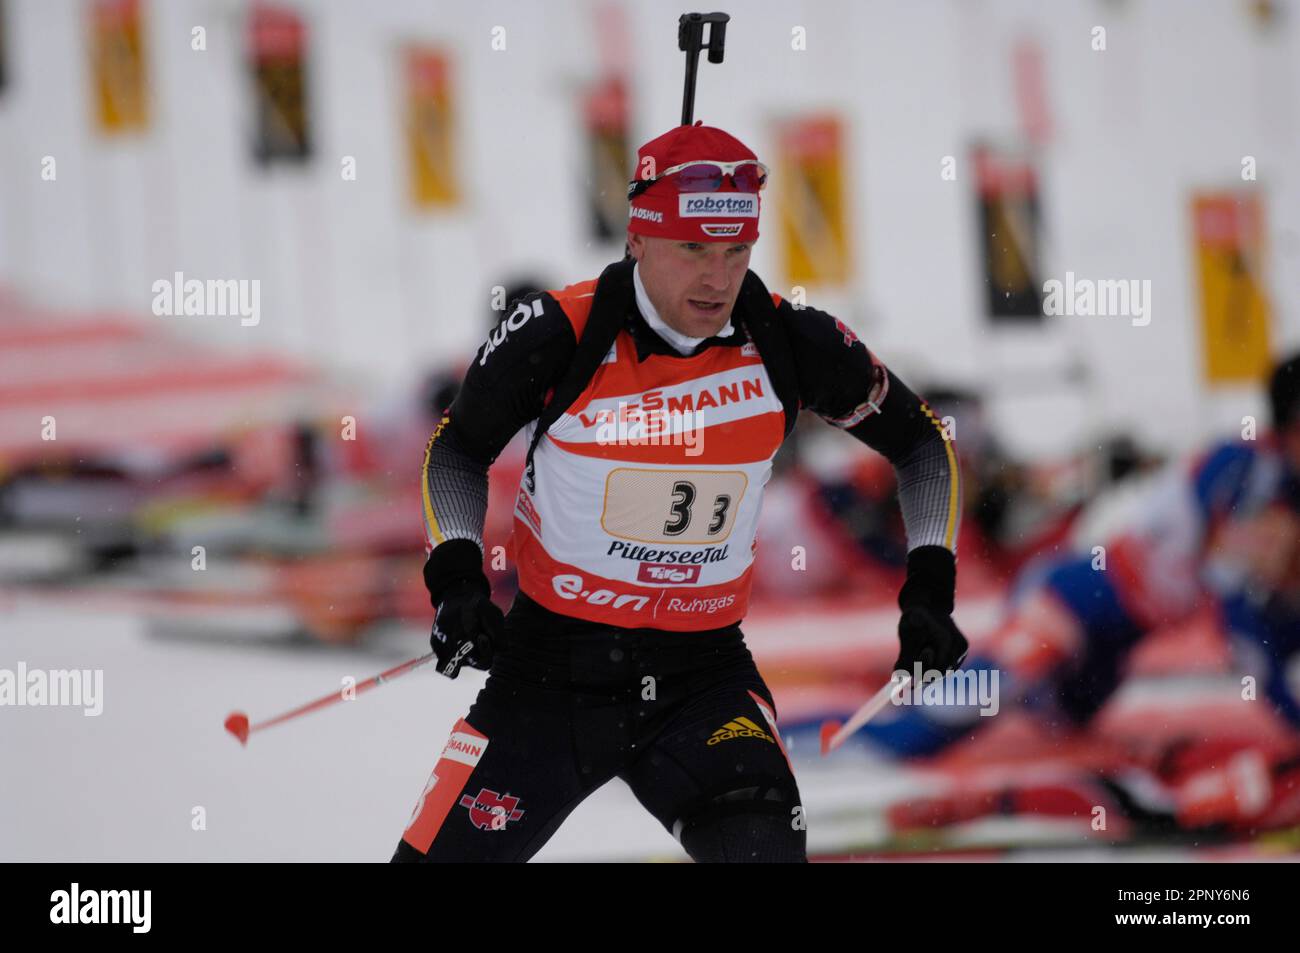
<point>350,277</point>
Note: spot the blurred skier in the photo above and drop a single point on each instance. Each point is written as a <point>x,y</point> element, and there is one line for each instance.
<point>1219,532</point>
<point>654,399</point>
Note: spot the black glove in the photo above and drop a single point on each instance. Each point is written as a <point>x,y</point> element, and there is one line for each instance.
<point>926,632</point>
<point>466,629</point>
<point>467,626</point>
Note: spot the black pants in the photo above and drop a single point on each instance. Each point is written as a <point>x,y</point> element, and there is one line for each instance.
<point>683,717</point>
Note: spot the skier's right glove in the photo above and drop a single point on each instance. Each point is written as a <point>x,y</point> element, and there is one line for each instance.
<point>467,625</point>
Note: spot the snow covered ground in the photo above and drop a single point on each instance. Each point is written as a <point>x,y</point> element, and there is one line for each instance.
<point>337,785</point>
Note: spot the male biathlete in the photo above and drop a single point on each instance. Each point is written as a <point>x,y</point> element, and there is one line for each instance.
<point>654,398</point>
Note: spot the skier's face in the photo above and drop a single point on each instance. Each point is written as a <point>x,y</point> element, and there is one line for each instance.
<point>693,285</point>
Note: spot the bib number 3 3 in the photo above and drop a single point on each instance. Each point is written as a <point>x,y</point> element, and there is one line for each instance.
<point>672,506</point>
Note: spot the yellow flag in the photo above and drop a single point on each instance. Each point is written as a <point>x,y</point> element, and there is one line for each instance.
<point>1229,236</point>
<point>119,74</point>
<point>808,180</point>
<point>430,129</point>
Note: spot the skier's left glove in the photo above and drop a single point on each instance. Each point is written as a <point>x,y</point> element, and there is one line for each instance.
<point>926,632</point>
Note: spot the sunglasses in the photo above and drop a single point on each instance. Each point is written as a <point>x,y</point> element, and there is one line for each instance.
<point>705,175</point>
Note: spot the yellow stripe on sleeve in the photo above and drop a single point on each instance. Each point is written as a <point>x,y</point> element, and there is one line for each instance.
<point>431,530</point>
<point>954,492</point>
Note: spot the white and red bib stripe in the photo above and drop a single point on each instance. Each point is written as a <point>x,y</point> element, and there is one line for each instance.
<point>648,489</point>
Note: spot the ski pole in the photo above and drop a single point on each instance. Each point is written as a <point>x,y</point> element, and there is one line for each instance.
<point>834,734</point>
<point>237,722</point>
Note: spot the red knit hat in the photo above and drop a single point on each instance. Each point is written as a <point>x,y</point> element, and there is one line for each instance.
<point>662,211</point>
